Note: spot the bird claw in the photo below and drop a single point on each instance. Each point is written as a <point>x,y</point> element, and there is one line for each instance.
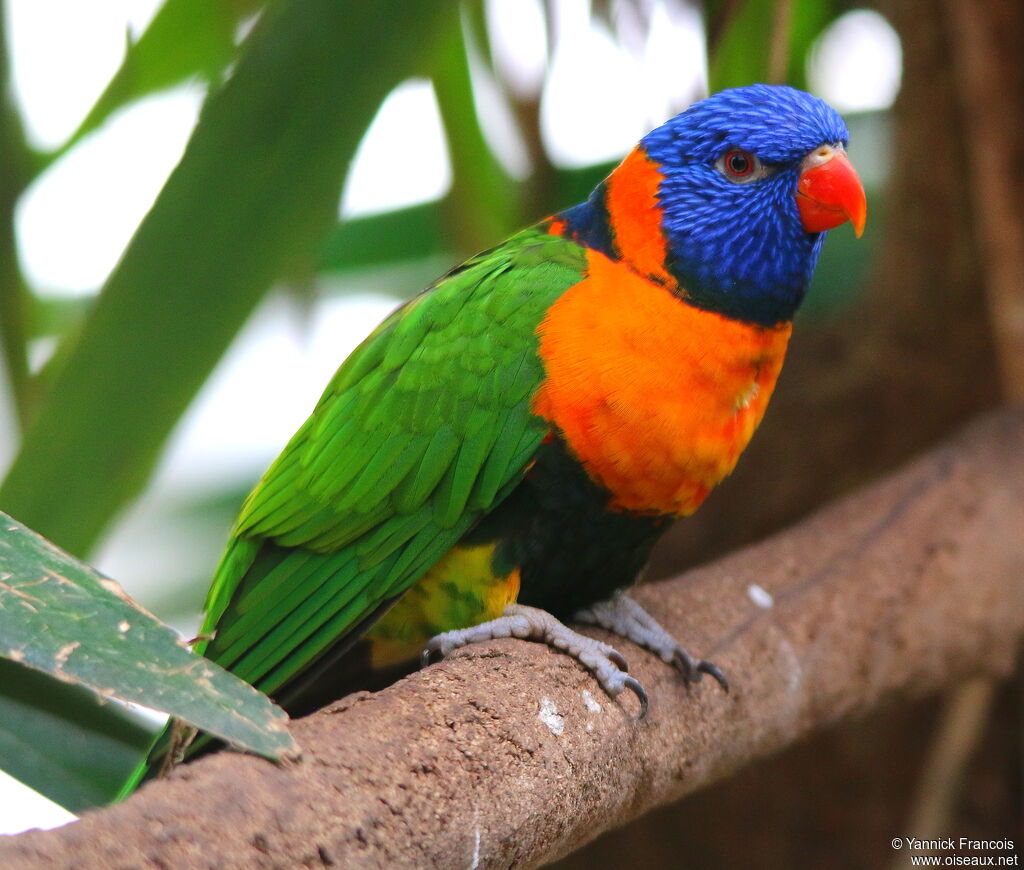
<point>633,684</point>
<point>713,671</point>
<point>605,662</point>
<point>621,615</point>
<point>693,670</point>
<point>619,660</point>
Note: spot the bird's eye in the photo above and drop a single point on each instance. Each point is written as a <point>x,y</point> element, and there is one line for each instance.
<point>739,163</point>
<point>740,166</point>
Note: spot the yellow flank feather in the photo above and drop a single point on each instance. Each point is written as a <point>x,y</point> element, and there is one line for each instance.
<point>461,589</point>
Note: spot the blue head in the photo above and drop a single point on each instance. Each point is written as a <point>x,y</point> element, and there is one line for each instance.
<point>746,183</point>
<point>736,240</point>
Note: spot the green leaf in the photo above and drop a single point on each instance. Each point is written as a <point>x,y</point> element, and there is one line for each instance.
<point>739,55</point>
<point>65,741</point>
<point>482,206</point>
<point>187,39</point>
<point>251,201</point>
<point>809,20</point>
<point>417,232</point>
<point>741,36</point>
<point>15,300</point>
<point>380,239</point>
<point>56,316</point>
<point>59,616</point>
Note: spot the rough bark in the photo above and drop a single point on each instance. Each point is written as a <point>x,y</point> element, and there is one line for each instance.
<point>991,85</point>
<point>499,757</point>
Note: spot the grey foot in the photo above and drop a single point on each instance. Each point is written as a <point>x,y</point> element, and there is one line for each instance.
<point>623,616</point>
<point>603,661</point>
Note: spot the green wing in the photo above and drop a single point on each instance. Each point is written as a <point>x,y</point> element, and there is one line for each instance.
<point>424,429</point>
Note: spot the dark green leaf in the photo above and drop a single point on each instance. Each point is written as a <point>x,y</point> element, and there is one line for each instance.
<point>15,175</point>
<point>739,55</point>
<point>380,239</point>
<point>418,232</point>
<point>59,616</point>
<point>809,19</point>
<point>64,741</point>
<point>57,316</point>
<point>251,200</point>
<point>481,207</point>
<point>743,32</point>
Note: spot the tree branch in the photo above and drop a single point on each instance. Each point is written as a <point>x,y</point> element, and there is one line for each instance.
<point>500,756</point>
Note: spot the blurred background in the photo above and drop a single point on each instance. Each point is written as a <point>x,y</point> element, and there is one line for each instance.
<point>206,204</point>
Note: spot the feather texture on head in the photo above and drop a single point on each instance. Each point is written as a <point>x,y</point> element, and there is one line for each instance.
<point>718,184</point>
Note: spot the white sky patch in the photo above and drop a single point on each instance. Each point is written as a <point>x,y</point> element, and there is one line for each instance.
<point>499,127</point>
<point>519,43</point>
<point>601,98</point>
<point>549,715</point>
<point>403,158</point>
<point>22,808</point>
<point>590,112</point>
<point>267,385</point>
<point>74,222</point>
<point>260,393</point>
<point>674,63</point>
<point>856,64</point>
<point>149,718</point>
<point>138,13</point>
<point>40,351</point>
<point>150,553</point>
<point>760,596</point>
<point>59,71</point>
<point>246,26</point>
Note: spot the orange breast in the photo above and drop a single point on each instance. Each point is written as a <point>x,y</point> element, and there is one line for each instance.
<point>655,397</point>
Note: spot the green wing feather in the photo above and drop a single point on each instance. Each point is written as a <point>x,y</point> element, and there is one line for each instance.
<point>424,429</point>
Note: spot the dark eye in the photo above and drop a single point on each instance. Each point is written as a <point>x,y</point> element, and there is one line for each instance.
<point>739,163</point>
<point>740,166</point>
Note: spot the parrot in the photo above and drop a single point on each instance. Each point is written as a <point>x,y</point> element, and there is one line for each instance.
<point>500,456</point>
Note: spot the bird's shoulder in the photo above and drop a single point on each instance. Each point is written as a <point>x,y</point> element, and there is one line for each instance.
<point>434,406</point>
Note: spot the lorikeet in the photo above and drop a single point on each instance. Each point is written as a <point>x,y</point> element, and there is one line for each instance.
<point>505,449</point>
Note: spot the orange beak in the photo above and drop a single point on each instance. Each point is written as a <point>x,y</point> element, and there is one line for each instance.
<point>829,192</point>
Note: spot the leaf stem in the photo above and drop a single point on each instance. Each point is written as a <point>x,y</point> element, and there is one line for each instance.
<point>17,162</point>
<point>481,207</point>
